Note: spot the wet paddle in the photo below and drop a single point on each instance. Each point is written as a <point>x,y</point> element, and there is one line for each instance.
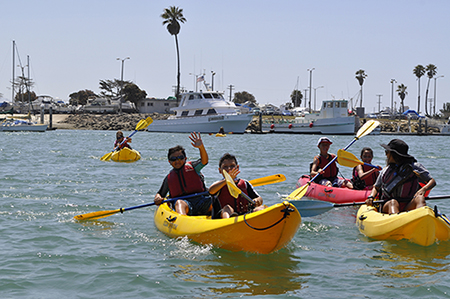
<point>271,179</point>
<point>310,208</point>
<point>233,189</point>
<point>103,214</point>
<point>142,124</point>
<point>348,159</point>
<point>363,131</point>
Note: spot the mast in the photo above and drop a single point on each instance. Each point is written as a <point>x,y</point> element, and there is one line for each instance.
<point>13,74</point>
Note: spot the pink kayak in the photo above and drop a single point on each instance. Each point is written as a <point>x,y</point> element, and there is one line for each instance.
<point>332,194</point>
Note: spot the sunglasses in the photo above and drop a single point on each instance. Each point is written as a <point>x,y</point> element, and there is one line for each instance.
<point>173,159</point>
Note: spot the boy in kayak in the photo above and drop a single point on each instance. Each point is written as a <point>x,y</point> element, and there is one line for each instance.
<point>327,177</point>
<point>119,139</point>
<point>398,183</point>
<point>185,178</point>
<point>365,176</point>
<point>230,206</point>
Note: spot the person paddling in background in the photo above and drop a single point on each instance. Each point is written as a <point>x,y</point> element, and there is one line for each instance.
<point>364,176</point>
<point>230,206</point>
<point>185,178</point>
<point>119,139</point>
<point>327,177</point>
<point>221,130</point>
<point>398,182</point>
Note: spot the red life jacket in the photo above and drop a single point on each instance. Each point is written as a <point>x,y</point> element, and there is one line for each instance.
<point>370,179</point>
<point>402,192</point>
<point>240,204</point>
<point>185,181</point>
<point>331,171</point>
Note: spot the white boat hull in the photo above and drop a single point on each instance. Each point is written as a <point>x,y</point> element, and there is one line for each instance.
<point>235,123</point>
<point>326,126</point>
<point>23,128</point>
<point>445,130</point>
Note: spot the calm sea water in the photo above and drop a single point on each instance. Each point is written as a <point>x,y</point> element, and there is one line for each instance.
<point>47,178</point>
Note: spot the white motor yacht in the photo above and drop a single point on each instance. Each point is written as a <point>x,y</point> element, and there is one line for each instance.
<point>204,112</point>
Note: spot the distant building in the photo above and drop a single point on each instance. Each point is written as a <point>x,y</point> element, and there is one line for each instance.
<point>150,105</point>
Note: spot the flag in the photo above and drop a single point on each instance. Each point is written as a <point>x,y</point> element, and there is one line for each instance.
<point>200,79</point>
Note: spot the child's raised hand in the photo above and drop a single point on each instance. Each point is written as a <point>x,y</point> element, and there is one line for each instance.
<point>234,173</point>
<point>196,139</point>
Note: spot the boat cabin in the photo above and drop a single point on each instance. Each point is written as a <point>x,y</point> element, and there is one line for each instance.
<point>204,103</point>
<point>334,108</point>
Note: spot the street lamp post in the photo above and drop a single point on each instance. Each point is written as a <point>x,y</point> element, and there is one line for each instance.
<point>392,94</point>
<point>121,82</point>
<point>434,105</point>
<point>310,87</point>
<point>315,89</point>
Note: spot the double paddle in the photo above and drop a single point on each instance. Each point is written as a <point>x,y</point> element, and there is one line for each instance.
<point>142,124</point>
<point>271,179</point>
<point>310,208</point>
<point>363,131</point>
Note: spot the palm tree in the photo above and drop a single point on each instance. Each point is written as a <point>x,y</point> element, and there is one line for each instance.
<point>360,76</point>
<point>401,89</point>
<point>296,98</point>
<point>419,71</point>
<point>172,17</point>
<point>431,70</point>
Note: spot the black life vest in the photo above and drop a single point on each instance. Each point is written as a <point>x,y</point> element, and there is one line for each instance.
<point>399,182</point>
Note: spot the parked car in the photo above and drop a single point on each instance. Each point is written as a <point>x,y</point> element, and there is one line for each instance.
<point>286,113</point>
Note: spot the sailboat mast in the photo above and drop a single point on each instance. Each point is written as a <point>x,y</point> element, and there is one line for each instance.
<point>13,74</point>
<point>27,82</point>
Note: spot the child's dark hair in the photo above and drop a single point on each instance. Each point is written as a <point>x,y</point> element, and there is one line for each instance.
<point>176,149</point>
<point>227,156</point>
<point>368,149</point>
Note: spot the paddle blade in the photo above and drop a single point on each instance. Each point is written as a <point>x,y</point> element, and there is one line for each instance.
<point>348,159</point>
<point>311,208</point>
<point>232,188</point>
<point>299,192</point>
<point>106,157</point>
<point>144,123</point>
<point>367,128</point>
<point>271,179</point>
<point>96,215</point>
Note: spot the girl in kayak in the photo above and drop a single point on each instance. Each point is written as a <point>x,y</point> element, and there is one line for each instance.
<point>365,176</point>
<point>230,206</point>
<point>119,139</point>
<point>185,178</point>
<point>327,177</point>
<point>398,183</point>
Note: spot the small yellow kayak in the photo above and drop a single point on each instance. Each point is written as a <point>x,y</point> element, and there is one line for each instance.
<point>126,155</point>
<point>420,226</point>
<point>220,135</point>
<point>264,231</point>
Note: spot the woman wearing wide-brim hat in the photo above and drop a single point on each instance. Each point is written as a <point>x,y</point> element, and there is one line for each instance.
<point>398,182</point>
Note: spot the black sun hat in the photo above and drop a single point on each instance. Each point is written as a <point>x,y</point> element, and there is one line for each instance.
<point>399,147</point>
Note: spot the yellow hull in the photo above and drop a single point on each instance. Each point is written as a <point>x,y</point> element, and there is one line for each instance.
<point>126,155</point>
<point>220,135</point>
<point>236,233</point>
<point>419,226</point>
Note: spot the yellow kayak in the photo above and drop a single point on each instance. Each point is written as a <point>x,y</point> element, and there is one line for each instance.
<point>420,226</point>
<point>126,155</point>
<point>264,231</point>
<point>220,135</point>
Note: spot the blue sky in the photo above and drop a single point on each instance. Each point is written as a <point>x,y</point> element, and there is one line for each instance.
<point>263,47</point>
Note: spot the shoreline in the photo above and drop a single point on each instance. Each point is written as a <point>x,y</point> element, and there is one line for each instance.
<point>127,122</point>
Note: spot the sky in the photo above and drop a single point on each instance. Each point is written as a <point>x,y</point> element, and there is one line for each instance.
<point>263,47</point>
